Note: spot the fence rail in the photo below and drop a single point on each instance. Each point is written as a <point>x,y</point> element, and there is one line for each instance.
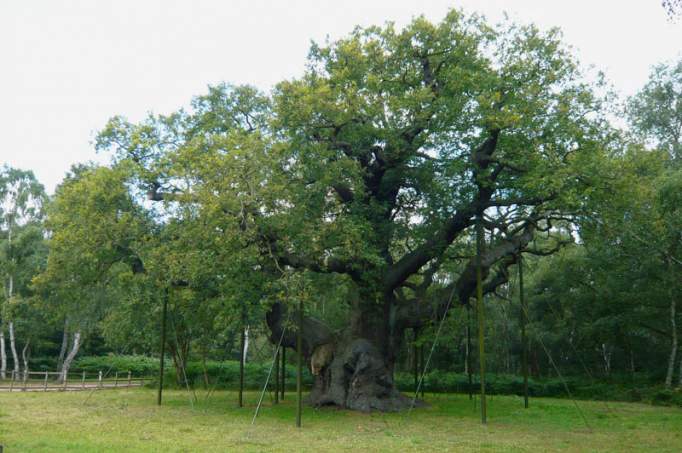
<point>51,381</point>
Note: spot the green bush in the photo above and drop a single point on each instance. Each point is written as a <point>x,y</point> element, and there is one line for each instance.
<point>221,375</point>
<point>43,363</point>
<point>225,375</point>
<point>139,365</point>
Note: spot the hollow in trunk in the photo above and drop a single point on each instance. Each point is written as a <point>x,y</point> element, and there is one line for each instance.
<point>353,369</point>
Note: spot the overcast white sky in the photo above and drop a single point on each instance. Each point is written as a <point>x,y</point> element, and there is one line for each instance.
<point>67,66</point>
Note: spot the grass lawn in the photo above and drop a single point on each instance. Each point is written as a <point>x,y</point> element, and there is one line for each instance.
<point>128,420</point>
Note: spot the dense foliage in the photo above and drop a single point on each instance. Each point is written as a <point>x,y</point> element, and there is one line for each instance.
<point>356,189</point>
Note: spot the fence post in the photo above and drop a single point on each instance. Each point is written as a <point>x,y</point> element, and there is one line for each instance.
<point>25,379</point>
<point>45,382</point>
<point>11,382</point>
<point>130,377</point>
<point>83,380</point>
<point>99,379</point>
<point>116,380</point>
<point>66,378</point>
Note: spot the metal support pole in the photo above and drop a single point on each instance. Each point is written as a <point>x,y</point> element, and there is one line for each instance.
<point>277,376</point>
<point>524,339</point>
<point>163,345</point>
<point>241,361</point>
<point>421,367</point>
<point>284,372</point>
<point>415,356</point>
<point>481,314</point>
<point>299,364</point>
<point>468,357</point>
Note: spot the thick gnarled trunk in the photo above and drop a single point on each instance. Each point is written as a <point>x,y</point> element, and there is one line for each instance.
<point>353,370</point>
<point>357,377</point>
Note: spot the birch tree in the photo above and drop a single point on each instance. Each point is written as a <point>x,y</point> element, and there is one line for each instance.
<point>22,199</point>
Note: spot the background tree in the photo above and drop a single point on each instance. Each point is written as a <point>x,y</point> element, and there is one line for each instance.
<point>96,230</point>
<point>655,113</point>
<point>21,202</point>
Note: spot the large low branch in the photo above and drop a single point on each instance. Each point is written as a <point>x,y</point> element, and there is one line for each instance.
<point>281,324</point>
<point>466,284</point>
<point>283,257</point>
<point>410,263</point>
<point>418,312</point>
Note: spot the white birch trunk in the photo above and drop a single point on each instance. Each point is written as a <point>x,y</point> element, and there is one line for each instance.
<point>69,358</point>
<point>24,357</point>
<point>65,344</point>
<point>3,355</point>
<point>13,348</point>
<point>246,343</point>
<point>606,354</point>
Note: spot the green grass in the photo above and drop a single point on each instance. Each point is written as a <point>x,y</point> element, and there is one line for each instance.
<point>129,420</point>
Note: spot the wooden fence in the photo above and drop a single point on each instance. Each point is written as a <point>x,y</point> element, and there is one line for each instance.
<point>46,381</point>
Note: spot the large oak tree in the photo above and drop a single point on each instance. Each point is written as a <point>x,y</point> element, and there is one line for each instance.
<point>374,167</point>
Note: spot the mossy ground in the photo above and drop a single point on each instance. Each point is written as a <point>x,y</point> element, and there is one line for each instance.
<point>129,420</point>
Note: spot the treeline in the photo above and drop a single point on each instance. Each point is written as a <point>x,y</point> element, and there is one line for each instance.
<point>218,212</point>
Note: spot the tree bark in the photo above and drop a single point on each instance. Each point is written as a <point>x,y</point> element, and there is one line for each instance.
<point>3,354</point>
<point>350,371</point>
<point>242,354</point>
<point>65,344</point>
<point>246,343</point>
<point>13,347</point>
<point>354,369</point>
<point>25,355</point>
<point>606,354</point>
<point>71,356</point>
